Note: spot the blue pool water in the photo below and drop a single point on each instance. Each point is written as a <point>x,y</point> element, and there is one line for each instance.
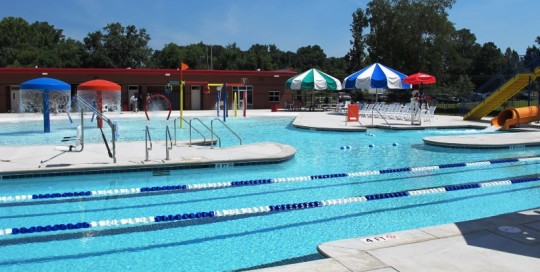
<point>243,242</point>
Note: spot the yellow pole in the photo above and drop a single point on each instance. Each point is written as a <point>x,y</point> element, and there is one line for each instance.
<point>182,83</point>
<point>235,102</point>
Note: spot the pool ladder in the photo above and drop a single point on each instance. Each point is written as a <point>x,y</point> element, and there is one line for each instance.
<point>148,143</point>
<point>147,139</point>
<point>210,129</point>
<point>190,131</point>
<point>227,127</point>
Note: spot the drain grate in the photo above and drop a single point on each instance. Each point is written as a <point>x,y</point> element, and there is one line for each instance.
<point>509,229</point>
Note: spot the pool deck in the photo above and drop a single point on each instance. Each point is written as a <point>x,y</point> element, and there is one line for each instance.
<point>508,242</point>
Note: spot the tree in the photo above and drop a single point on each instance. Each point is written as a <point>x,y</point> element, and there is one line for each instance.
<point>357,53</point>
<point>532,55</point>
<point>308,57</point>
<point>71,53</point>
<point>169,57</point>
<point>120,47</point>
<point>97,55</point>
<point>489,62</point>
<point>464,50</point>
<point>230,58</point>
<point>258,57</point>
<point>409,35</point>
<point>36,44</point>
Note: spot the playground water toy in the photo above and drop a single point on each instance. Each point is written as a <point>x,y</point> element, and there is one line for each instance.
<point>105,94</point>
<point>42,95</point>
<point>513,117</point>
<point>148,104</point>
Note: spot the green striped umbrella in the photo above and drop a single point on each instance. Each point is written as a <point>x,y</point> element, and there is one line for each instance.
<point>313,79</point>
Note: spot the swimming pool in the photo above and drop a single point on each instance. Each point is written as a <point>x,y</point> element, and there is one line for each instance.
<point>255,239</point>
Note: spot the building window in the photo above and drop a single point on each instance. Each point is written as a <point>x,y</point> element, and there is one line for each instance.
<point>273,96</point>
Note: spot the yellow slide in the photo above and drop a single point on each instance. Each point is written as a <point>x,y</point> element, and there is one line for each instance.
<point>512,117</point>
<point>501,95</point>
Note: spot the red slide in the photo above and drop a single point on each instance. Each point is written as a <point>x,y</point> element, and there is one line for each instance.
<point>512,117</point>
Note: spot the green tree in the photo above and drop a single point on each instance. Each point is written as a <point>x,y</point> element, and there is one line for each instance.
<point>357,53</point>
<point>119,47</point>
<point>308,57</point>
<point>97,55</point>
<point>71,53</point>
<point>532,55</point>
<point>409,35</point>
<point>465,50</point>
<point>230,58</point>
<point>488,62</point>
<point>169,57</point>
<point>36,44</point>
<point>258,57</point>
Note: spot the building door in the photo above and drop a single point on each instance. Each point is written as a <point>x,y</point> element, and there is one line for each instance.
<point>15,98</point>
<point>240,92</point>
<point>195,97</point>
<point>132,90</point>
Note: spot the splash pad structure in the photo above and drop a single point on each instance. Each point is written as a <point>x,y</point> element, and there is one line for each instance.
<point>43,95</point>
<point>157,102</point>
<point>105,94</point>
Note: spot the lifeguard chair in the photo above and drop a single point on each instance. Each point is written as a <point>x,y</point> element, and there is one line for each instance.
<point>353,113</point>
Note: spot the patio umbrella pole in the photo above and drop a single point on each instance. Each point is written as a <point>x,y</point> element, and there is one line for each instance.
<point>372,109</point>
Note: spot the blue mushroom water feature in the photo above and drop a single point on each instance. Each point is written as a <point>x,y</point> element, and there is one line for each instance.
<point>42,94</point>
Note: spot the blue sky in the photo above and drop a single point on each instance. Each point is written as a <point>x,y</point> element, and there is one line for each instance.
<point>289,24</point>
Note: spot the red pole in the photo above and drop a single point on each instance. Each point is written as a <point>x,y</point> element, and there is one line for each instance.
<point>245,102</point>
<point>99,108</point>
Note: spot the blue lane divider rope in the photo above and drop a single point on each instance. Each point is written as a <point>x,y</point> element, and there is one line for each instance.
<point>218,185</point>
<point>259,210</point>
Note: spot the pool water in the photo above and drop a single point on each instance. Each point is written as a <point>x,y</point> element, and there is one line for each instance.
<point>252,241</point>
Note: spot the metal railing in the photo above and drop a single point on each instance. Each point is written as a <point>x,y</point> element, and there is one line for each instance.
<point>147,137</point>
<point>81,103</point>
<point>212,129</point>
<point>511,68</point>
<point>190,128</point>
<point>209,129</point>
<point>168,142</point>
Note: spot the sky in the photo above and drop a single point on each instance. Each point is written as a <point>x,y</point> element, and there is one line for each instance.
<point>289,24</point>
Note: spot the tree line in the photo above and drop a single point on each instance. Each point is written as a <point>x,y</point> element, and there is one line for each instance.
<point>408,35</point>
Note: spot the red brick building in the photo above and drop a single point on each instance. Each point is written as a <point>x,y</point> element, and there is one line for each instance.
<point>263,88</point>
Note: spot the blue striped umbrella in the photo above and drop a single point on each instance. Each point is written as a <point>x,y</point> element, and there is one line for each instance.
<point>376,76</point>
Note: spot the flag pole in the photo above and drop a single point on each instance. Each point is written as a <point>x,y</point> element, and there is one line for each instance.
<point>181,98</point>
<point>182,84</point>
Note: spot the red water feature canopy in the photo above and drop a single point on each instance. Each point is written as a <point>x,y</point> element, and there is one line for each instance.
<point>99,85</point>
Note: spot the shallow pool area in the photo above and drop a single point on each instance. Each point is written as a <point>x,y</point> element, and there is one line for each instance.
<point>240,218</point>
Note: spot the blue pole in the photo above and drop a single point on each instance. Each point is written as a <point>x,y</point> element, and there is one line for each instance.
<point>218,98</point>
<point>46,117</point>
<point>224,90</point>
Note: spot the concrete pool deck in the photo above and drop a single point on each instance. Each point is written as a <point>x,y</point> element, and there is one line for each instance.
<point>509,242</point>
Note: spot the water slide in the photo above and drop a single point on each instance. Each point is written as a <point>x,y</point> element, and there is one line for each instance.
<point>501,95</point>
<point>512,117</point>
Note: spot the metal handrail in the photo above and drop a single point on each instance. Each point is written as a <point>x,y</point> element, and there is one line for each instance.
<point>209,129</point>
<point>168,142</point>
<point>146,137</point>
<point>212,128</point>
<point>109,122</point>
<point>190,128</point>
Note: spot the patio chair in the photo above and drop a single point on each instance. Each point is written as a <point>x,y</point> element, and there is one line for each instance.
<point>429,113</point>
<point>365,111</point>
<point>342,108</point>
